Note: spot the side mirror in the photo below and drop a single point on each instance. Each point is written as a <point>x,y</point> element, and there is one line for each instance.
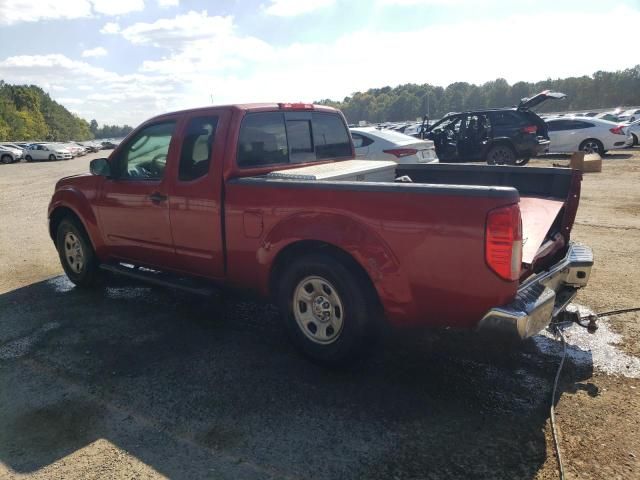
<point>100,167</point>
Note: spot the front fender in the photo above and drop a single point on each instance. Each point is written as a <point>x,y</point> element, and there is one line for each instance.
<point>354,237</point>
<point>74,199</point>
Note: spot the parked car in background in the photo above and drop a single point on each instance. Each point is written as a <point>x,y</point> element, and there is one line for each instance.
<point>589,135</point>
<point>630,115</point>
<point>506,136</point>
<point>75,150</point>
<point>608,116</point>
<point>47,151</point>
<point>91,146</point>
<point>634,129</point>
<point>10,153</point>
<point>107,145</point>
<point>373,144</point>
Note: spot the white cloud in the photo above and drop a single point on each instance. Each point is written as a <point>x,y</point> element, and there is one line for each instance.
<point>117,7</point>
<point>125,98</point>
<point>292,8</point>
<point>17,11</point>
<point>176,32</point>
<point>95,52</point>
<point>111,27</point>
<point>168,3</point>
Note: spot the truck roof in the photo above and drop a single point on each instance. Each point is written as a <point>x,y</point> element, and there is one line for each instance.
<point>257,107</point>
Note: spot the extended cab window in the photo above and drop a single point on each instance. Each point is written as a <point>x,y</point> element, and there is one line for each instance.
<point>145,156</point>
<point>272,138</point>
<point>263,140</point>
<point>330,136</point>
<point>196,148</point>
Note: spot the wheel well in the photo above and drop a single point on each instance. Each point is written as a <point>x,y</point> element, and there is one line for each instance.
<point>305,247</point>
<point>502,141</point>
<point>57,216</point>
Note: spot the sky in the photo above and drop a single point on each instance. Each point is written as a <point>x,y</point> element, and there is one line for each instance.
<point>123,61</point>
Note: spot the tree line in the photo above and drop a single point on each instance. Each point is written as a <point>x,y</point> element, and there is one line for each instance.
<point>28,113</point>
<point>109,131</point>
<point>410,101</point>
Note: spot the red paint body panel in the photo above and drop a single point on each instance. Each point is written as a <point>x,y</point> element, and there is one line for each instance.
<point>423,251</point>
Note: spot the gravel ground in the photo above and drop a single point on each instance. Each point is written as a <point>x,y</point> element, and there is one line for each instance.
<point>140,382</point>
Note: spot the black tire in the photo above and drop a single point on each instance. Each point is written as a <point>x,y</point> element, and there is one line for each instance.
<point>52,157</point>
<point>357,313</point>
<point>82,273</point>
<point>592,145</point>
<point>635,139</point>
<point>521,162</point>
<point>6,159</point>
<point>28,158</point>
<point>501,154</point>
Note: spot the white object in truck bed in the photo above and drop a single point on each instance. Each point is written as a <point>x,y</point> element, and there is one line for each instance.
<point>348,170</point>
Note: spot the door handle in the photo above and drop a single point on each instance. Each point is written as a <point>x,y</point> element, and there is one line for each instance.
<point>157,197</point>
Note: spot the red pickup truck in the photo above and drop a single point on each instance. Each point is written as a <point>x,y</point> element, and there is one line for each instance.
<point>268,197</point>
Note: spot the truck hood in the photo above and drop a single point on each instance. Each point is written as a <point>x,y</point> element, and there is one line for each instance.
<point>527,103</point>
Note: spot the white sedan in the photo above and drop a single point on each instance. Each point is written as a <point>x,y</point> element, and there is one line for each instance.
<point>591,135</point>
<point>373,144</point>
<point>46,151</point>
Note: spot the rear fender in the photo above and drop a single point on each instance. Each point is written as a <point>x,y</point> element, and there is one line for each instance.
<point>350,235</point>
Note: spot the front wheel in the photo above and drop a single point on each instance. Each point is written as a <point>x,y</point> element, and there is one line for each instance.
<point>28,158</point>
<point>501,155</point>
<point>635,139</point>
<point>6,159</point>
<point>522,162</point>
<point>52,157</point>
<point>76,253</point>
<point>327,308</point>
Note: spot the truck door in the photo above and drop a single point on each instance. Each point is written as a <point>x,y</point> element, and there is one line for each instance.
<point>196,192</point>
<point>132,205</point>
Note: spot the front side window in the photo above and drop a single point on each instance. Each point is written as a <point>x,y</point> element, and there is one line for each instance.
<point>195,155</point>
<point>145,156</point>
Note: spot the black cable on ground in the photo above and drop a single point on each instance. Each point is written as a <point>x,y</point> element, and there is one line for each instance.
<point>554,431</point>
<point>558,331</point>
<point>617,312</point>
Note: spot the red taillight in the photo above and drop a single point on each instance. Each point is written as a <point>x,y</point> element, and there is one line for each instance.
<point>619,130</point>
<point>530,129</point>
<point>295,106</point>
<point>401,152</point>
<point>503,241</point>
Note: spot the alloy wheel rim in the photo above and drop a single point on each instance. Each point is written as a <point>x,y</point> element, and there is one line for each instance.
<point>318,310</point>
<point>73,252</point>
<point>591,147</point>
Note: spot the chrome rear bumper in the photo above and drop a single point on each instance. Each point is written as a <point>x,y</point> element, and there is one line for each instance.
<point>543,296</point>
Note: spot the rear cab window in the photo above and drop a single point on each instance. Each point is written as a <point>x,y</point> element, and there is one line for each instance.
<point>280,138</point>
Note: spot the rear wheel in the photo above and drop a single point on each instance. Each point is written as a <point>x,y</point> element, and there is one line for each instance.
<point>76,253</point>
<point>522,162</point>
<point>327,308</point>
<point>52,157</point>
<point>635,138</point>
<point>501,155</point>
<point>6,159</point>
<point>592,145</point>
<point>28,158</point>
